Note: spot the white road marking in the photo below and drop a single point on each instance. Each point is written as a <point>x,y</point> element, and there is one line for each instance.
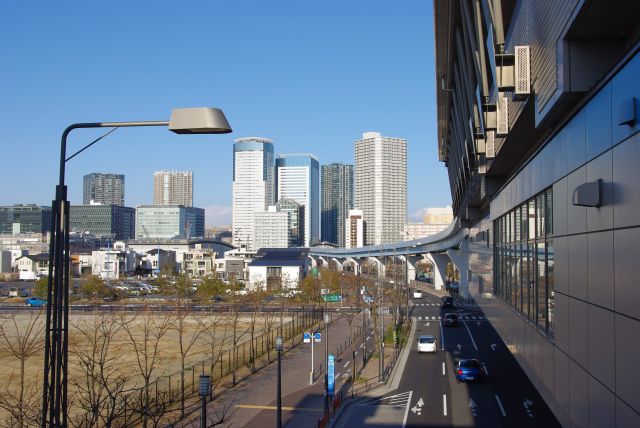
<point>348,362</point>
<point>368,337</point>
<point>444,404</point>
<point>362,345</point>
<point>441,338</point>
<point>485,369</point>
<point>443,372</point>
<point>504,414</point>
<point>470,335</point>
<point>406,410</point>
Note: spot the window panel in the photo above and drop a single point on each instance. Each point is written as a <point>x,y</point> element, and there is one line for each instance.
<point>550,288</point>
<point>541,285</point>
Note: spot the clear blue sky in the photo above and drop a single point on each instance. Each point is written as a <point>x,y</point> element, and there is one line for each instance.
<point>311,75</point>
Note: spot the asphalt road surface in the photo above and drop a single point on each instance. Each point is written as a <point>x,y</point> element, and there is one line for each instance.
<point>428,394</point>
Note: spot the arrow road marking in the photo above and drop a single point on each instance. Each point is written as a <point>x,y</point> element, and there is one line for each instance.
<point>473,406</point>
<point>416,410</point>
<point>527,404</point>
<point>493,346</point>
<point>420,402</point>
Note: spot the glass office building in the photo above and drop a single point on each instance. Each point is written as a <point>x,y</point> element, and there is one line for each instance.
<point>169,222</point>
<point>113,221</point>
<point>17,219</point>
<point>298,179</point>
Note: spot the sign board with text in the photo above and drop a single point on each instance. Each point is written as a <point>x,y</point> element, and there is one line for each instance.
<point>331,375</point>
<point>306,337</point>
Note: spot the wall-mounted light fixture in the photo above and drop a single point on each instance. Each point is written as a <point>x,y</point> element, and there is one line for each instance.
<point>588,194</point>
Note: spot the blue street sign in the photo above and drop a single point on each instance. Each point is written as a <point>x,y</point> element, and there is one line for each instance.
<point>331,375</point>
<point>317,337</point>
<point>306,337</point>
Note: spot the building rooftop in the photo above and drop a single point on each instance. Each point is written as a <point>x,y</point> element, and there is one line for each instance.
<point>281,257</point>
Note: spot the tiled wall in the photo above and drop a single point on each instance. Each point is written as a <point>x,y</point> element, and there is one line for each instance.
<point>590,374</point>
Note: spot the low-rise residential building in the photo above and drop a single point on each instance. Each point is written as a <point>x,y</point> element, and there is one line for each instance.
<point>198,262</point>
<point>109,263</point>
<point>278,268</point>
<point>234,265</point>
<point>5,262</point>
<point>157,261</point>
<point>32,267</point>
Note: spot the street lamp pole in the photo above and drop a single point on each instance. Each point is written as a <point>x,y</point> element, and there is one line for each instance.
<point>56,349</point>
<point>279,349</point>
<point>326,361</point>
<point>204,390</point>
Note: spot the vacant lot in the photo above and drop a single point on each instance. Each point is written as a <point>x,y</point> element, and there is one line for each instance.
<point>117,349</point>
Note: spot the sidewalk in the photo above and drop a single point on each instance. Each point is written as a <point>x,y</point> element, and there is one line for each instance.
<point>251,403</point>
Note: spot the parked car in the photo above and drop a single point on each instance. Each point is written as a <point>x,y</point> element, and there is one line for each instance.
<point>35,301</point>
<point>426,344</point>
<point>447,302</point>
<point>470,370</point>
<point>417,294</point>
<point>451,320</point>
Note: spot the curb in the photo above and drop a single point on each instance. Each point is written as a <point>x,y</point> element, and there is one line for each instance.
<point>392,382</point>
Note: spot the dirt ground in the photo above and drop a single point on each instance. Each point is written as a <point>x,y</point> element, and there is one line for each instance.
<point>127,328</point>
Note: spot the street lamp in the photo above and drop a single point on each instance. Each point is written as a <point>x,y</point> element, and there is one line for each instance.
<point>279,349</point>
<point>54,401</point>
<point>326,361</point>
<point>205,387</point>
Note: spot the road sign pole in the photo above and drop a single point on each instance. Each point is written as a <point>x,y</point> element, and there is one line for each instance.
<point>311,372</point>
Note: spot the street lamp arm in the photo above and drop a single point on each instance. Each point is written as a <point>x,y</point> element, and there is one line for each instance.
<point>114,125</point>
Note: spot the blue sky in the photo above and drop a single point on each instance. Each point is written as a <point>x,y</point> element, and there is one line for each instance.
<point>311,75</point>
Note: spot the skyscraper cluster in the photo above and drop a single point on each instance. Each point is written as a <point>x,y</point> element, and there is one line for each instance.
<point>289,200</point>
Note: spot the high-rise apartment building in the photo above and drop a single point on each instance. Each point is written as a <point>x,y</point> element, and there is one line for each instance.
<point>298,178</point>
<point>381,186</point>
<point>173,188</point>
<point>271,229</point>
<point>103,189</point>
<point>354,229</point>
<point>336,192</point>
<point>295,211</point>
<point>253,185</point>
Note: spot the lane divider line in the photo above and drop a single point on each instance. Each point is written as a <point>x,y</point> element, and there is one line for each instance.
<point>443,372</point>
<point>470,335</point>
<point>504,415</point>
<point>444,404</point>
<point>406,410</point>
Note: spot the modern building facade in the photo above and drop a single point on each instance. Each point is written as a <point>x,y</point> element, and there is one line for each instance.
<point>104,189</point>
<point>173,188</point>
<point>271,229</point>
<point>298,179</point>
<point>114,221</point>
<point>253,185</point>
<point>538,120</point>
<point>336,194</point>
<point>20,219</point>
<point>381,186</point>
<point>278,268</point>
<point>295,213</point>
<point>169,222</point>
<point>355,229</point>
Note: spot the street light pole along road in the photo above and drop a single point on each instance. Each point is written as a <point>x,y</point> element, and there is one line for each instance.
<point>56,355</point>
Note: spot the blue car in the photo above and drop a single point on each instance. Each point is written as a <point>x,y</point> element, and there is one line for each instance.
<point>470,370</point>
<point>36,302</point>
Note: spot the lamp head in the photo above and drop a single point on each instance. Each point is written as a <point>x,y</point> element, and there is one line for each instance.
<point>201,120</point>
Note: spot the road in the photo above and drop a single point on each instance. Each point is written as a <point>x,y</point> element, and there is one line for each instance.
<point>428,393</point>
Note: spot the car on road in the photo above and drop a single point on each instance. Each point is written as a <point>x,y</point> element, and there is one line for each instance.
<point>451,320</point>
<point>417,294</point>
<point>36,302</point>
<point>470,370</point>
<point>447,302</point>
<point>426,344</point>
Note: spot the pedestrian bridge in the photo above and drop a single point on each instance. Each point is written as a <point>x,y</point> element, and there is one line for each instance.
<point>439,249</point>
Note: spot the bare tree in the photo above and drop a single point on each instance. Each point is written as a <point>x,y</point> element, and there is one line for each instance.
<point>144,333</point>
<point>100,387</point>
<point>188,331</point>
<point>210,326</point>
<point>21,399</point>
<point>232,320</point>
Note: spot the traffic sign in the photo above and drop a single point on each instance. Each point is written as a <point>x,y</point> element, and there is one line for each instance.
<point>332,297</point>
<point>306,337</point>
<point>331,375</point>
<point>317,337</point>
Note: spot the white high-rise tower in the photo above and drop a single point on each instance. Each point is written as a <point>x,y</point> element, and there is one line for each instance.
<point>253,185</point>
<point>381,186</point>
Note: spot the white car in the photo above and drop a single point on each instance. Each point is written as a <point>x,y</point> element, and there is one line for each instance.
<point>417,294</point>
<point>426,344</point>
